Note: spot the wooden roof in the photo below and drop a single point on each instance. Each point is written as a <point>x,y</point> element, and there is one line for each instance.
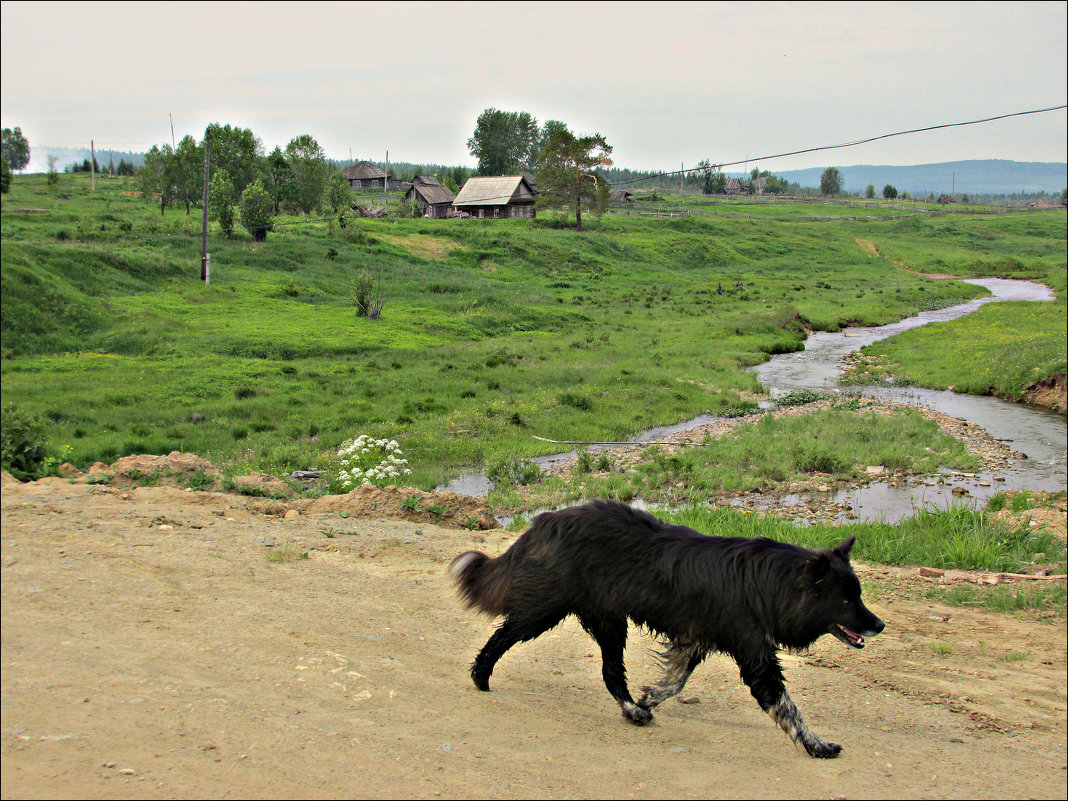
<point>433,194</point>
<point>363,170</point>
<point>494,190</point>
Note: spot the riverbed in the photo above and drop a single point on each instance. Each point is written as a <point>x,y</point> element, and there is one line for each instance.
<point>1037,436</point>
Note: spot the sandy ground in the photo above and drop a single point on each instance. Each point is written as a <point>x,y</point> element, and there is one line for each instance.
<point>160,642</point>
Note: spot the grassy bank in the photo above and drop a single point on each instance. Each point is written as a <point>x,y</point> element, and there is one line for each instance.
<point>491,332</point>
<point>1002,349</point>
<point>774,453</point>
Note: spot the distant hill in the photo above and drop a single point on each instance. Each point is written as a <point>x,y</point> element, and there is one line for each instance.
<point>979,177</point>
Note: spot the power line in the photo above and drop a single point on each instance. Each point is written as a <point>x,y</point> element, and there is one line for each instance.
<point>854,143</point>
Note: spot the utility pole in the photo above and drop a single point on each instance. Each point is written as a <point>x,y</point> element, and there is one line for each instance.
<point>173,145</point>
<point>385,181</point>
<point>204,257</point>
<point>682,174</point>
<point>92,167</point>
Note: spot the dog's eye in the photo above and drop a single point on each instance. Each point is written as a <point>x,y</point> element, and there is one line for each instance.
<point>845,602</point>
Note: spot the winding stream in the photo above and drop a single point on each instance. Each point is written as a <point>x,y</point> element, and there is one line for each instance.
<point>1036,433</point>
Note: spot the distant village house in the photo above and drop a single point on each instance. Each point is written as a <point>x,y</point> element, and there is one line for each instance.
<point>496,197</point>
<point>365,175</point>
<point>434,199</point>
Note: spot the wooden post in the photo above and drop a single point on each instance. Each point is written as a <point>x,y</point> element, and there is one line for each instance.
<point>92,166</point>
<point>204,230</point>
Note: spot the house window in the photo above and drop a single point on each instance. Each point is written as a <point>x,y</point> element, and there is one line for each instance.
<point>496,213</point>
<point>481,213</point>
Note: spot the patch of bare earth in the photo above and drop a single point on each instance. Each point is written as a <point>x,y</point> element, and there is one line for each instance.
<point>869,247</point>
<point>1050,393</point>
<point>155,644</point>
<point>426,247</point>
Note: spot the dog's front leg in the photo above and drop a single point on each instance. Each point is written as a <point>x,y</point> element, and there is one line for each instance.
<point>785,712</point>
<point>763,675</point>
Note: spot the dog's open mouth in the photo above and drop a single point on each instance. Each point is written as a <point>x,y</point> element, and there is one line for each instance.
<point>850,638</point>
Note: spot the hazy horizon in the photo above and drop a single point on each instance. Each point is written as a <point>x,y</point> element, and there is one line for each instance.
<point>666,84</point>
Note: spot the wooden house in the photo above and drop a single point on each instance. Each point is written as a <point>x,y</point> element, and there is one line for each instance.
<point>496,197</point>
<point>365,175</point>
<point>434,199</point>
<point>621,196</point>
<point>733,187</point>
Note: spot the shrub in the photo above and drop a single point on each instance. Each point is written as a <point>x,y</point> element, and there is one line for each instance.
<point>514,471</point>
<point>580,402</point>
<point>23,447</point>
<point>257,211</point>
<point>365,460</point>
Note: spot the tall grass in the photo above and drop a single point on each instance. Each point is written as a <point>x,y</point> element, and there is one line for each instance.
<point>952,538</point>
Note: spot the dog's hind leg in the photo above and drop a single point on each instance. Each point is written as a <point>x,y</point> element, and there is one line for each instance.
<point>514,629</point>
<point>611,634</point>
<point>679,661</point>
<point>764,677</point>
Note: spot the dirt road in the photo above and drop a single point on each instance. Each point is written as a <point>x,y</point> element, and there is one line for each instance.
<point>157,643</point>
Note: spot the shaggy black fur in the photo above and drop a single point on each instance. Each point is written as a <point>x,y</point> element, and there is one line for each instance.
<point>605,562</point>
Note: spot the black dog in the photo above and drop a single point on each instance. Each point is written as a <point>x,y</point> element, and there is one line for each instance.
<point>605,562</point>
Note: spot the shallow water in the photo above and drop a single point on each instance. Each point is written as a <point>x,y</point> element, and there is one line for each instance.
<point>1039,435</point>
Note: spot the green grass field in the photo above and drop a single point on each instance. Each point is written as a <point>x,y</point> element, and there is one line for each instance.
<point>1001,349</point>
<point>491,332</point>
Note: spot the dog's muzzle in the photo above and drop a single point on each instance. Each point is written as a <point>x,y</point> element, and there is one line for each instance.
<point>852,638</point>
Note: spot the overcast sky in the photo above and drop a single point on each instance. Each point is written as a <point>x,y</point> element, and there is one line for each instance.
<point>665,83</point>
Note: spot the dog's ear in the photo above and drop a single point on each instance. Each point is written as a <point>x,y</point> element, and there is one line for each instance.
<point>844,549</point>
<point>816,567</point>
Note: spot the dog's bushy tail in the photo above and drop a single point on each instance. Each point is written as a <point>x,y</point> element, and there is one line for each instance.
<point>482,581</point>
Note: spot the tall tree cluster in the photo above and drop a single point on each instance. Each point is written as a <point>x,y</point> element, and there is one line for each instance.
<point>296,179</point>
<point>508,142</point>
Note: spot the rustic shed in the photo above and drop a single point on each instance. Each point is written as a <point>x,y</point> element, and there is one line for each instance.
<point>365,175</point>
<point>496,197</point>
<point>733,187</point>
<point>622,196</point>
<point>426,180</point>
<point>435,200</point>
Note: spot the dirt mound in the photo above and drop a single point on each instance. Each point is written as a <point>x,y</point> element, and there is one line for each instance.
<point>406,503</point>
<point>263,494</point>
<point>176,469</point>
